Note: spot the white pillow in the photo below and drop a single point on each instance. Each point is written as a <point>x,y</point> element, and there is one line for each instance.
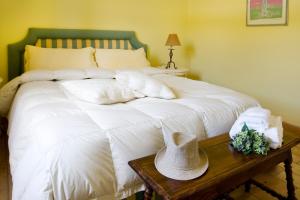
<point>121,59</point>
<point>67,74</point>
<point>56,58</point>
<point>98,73</point>
<point>37,75</point>
<point>98,91</point>
<point>144,84</point>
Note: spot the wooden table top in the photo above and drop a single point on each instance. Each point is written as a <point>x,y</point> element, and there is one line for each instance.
<point>223,164</point>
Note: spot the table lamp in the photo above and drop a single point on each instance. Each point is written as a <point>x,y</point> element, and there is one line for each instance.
<point>172,41</point>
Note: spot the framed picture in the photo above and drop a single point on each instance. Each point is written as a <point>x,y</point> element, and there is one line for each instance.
<point>267,12</point>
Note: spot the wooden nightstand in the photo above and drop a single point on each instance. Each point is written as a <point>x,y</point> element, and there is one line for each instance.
<point>3,125</point>
<point>3,120</point>
<point>176,72</point>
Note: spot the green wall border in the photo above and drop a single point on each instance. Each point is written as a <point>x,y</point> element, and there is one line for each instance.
<point>16,50</point>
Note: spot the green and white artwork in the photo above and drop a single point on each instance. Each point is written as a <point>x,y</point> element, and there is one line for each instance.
<point>266,12</point>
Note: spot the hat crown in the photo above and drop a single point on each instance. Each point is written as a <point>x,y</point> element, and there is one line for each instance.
<point>180,159</point>
<point>182,150</point>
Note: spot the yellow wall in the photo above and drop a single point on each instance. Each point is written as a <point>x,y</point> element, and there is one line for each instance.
<point>263,62</point>
<point>152,20</point>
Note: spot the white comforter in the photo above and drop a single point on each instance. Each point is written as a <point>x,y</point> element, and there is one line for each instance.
<point>61,148</point>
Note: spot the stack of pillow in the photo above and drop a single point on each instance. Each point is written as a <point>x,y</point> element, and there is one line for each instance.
<point>37,58</point>
<point>127,86</point>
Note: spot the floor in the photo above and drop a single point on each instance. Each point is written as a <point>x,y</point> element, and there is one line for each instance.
<point>275,178</point>
<point>5,178</point>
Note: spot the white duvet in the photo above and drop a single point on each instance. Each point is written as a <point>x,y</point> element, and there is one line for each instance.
<point>61,148</point>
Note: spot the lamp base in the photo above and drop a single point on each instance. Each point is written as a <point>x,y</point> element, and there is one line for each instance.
<point>171,64</point>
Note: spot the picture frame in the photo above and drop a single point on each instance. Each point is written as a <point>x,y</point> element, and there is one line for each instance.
<point>267,12</point>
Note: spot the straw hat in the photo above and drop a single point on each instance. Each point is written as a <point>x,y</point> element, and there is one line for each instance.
<point>181,159</point>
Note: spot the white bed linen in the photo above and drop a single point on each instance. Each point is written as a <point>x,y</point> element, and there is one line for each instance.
<point>66,149</point>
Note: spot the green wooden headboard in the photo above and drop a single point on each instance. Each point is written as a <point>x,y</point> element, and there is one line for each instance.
<point>68,38</point>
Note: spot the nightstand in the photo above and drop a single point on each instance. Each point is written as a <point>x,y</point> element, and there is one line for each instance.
<point>3,125</point>
<point>176,72</point>
<point>3,120</point>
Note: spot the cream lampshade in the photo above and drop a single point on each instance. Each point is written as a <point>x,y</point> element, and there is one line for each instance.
<point>172,40</point>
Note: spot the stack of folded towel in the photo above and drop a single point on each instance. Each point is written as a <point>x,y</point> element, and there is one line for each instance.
<point>263,122</point>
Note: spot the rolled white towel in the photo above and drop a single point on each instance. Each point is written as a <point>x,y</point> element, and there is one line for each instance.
<point>256,118</point>
<point>275,133</point>
<point>235,129</point>
<point>255,123</point>
<point>258,112</point>
<point>258,128</point>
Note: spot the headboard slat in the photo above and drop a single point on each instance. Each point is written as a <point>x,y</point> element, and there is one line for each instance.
<point>68,38</point>
<point>82,43</point>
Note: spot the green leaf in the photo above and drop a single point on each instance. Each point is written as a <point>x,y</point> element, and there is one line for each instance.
<point>245,128</point>
<point>250,141</point>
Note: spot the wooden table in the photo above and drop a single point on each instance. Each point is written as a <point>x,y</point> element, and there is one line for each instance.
<point>227,170</point>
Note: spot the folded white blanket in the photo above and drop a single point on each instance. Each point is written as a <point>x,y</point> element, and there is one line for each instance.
<point>263,122</point>
<point>8,91</point>
<point>142,85</point>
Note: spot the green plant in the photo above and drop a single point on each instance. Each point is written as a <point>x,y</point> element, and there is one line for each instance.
<point>250,141</point>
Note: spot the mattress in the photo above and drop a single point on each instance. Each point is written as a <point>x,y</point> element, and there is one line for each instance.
<point>61,148</point>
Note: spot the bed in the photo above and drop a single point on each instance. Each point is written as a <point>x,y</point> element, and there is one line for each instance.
<point>61,148</point>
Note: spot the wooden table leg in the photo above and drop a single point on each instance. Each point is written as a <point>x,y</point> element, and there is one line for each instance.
<point>148,192</point>
<point>224,197</point>
<point>248,186</point>
<point>289,178</point>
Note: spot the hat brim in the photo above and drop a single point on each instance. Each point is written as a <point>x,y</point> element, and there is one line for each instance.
<point>167,169</point>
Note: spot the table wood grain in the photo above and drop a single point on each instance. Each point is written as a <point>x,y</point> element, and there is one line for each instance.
<point>227,170</point>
